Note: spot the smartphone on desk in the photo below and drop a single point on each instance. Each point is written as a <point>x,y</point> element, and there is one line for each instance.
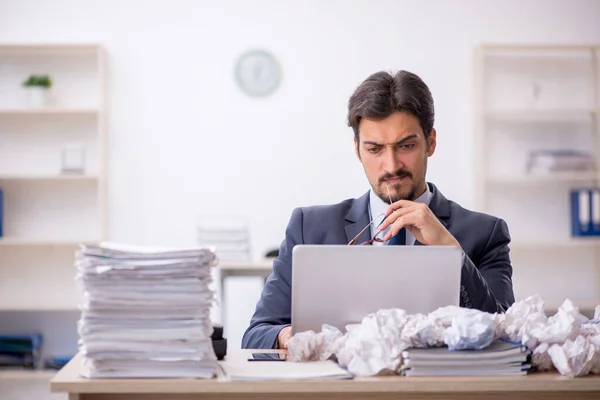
<point>258,356</point>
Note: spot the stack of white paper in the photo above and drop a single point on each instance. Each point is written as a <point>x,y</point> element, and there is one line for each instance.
<point>229,235</point>
<point>146,312</point>
<point>500,358</point>
<point>242,370</point>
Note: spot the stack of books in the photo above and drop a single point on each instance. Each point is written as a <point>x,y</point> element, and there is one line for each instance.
<point>500,358</point>
<point>20,351</point>
<point>556,161</point>
<point>146,312</point>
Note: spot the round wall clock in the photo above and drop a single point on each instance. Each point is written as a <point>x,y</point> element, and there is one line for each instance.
<point>257,73</point>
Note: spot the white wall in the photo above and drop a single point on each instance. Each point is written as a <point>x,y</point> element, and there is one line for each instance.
<point>185,141</point>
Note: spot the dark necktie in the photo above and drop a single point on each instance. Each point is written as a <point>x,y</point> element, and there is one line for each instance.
<point>399,239</point>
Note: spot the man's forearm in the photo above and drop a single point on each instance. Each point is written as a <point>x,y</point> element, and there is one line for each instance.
<point>477,294</point>
<point>261,336</point>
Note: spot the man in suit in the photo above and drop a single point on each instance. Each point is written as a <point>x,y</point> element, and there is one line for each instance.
<point>392,117</point>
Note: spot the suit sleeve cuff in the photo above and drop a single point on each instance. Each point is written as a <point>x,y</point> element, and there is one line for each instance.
<point>277,329</point>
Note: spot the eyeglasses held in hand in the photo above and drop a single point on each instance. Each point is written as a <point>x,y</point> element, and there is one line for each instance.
<point>375,238</point>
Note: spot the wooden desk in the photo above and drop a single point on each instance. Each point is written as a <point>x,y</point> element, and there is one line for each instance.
<point>533,386</point>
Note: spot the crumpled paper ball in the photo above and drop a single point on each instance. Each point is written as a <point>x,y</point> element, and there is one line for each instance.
<point>563,341</point>
<point>562,326</point>
<point>421,331</point>
<point>591,331</point>
<point>443,316</point>
<point>312,346</point>
<point>523,316</point>
<point>595,340</point>
<point>540,358</point>
<point>471,332</point>
<point>374,346</point>
<point>574,357</point>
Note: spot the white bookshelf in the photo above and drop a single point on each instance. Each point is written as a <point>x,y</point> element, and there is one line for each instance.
<point>7,241</point>
<point>47,212</point>
<point>536,98</point>
<point>33,177</point>
<point>558,244</point>
<point>528,180</point>
<point>46,111</point>
<point>539,115</point>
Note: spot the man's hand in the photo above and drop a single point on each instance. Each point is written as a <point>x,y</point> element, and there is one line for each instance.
<point>420,221</point>
<point>284,337</point>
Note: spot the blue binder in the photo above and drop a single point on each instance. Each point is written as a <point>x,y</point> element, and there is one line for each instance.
<point>585,212</point>
<point>1,211</point>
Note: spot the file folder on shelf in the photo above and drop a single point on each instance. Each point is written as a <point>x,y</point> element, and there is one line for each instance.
<point>22,351</point>
<point>1,211</point>
<point>585,212</point>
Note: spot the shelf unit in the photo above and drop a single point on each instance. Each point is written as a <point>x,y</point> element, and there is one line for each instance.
<point>45,111</point>
<point>540,115</point>
<point>48,212</point>
<point>556,244</point>
<point>7,241</point>
<point>532,98</point>
<point>557,178</point>
<point>32,177</point>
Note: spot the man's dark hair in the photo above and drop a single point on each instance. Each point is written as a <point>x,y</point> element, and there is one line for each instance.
<point>382,94</point>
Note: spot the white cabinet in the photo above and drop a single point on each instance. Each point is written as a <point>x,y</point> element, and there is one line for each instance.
<point>532,98</point>
<point>53,175</point>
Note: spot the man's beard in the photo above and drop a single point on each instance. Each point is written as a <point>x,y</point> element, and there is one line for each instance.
<point>395,195</point>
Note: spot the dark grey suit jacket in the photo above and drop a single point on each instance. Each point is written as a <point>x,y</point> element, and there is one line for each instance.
<point>486,281</point>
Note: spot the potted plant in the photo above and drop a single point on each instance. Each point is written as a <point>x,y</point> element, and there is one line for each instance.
<point>37,87</point>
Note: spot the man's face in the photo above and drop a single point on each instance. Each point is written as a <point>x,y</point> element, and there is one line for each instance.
<point>394,153</point>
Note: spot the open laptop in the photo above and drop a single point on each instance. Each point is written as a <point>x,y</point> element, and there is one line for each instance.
<point>339,285</point>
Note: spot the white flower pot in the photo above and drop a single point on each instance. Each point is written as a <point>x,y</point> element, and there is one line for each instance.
<point>36,97</point>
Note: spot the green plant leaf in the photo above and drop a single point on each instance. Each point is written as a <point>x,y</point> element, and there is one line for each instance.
<point>38,80</point>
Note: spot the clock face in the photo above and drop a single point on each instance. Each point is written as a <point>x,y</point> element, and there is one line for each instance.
<point>258,73</point>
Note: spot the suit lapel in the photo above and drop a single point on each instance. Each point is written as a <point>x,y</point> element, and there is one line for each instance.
<point>439,206</point>
<point>357,218</point>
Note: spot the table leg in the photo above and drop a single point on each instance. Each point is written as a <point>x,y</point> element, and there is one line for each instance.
<point>222,305</point>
